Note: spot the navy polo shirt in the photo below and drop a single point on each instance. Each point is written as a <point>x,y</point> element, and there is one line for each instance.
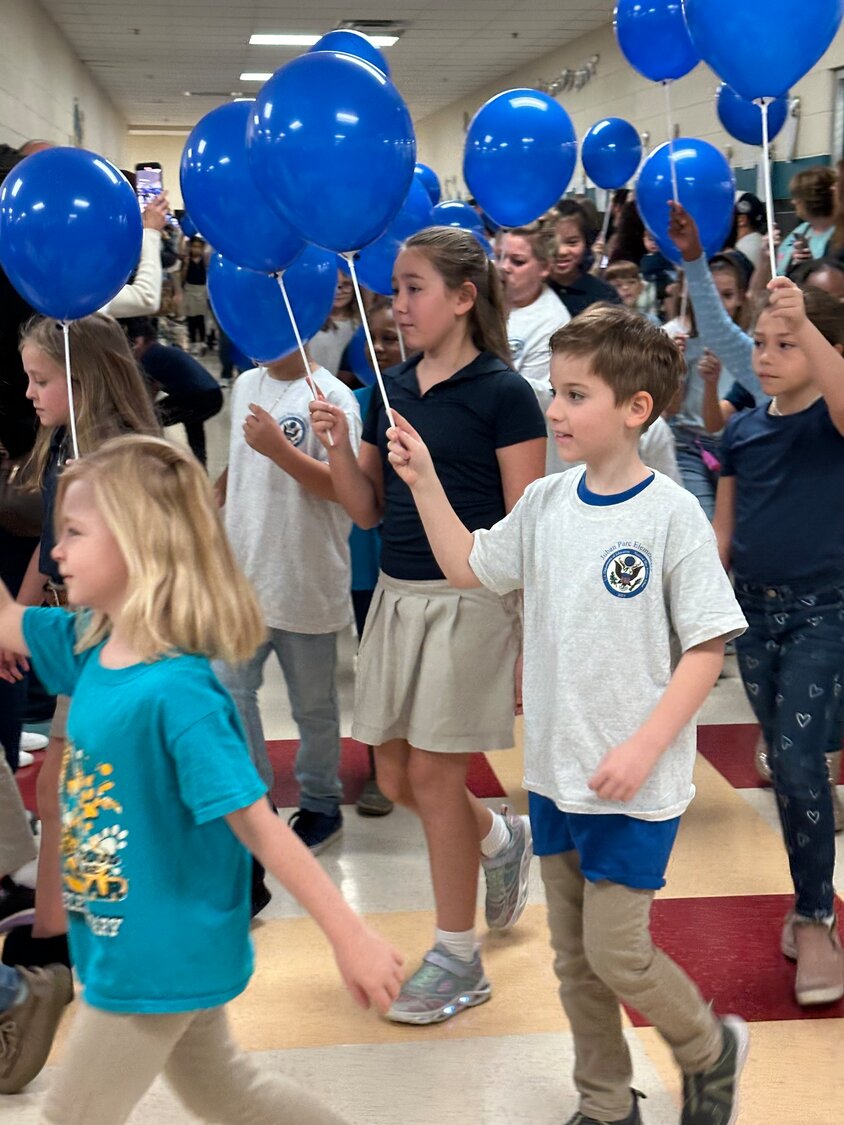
<point>586,291</point>
<point>789,482</point>
<point>739,397</point>
<point>176,372</point>
<point>484,407</point>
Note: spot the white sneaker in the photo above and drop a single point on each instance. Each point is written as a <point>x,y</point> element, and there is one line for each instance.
<point>24,759</point>
<point>30,741</point>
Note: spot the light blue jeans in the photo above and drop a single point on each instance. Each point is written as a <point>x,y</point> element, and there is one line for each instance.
<point>9,984</point>
<point>308,662</point>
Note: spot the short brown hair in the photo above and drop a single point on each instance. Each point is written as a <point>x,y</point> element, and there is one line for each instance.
<point>628,352</point>
<point>541,236</point>
<point>823,310</point>
<point>813,188</point>
<point>622,271</point>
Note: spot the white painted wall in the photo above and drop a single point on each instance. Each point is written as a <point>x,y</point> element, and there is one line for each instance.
<point>40,76</point>
<point>618,90</point>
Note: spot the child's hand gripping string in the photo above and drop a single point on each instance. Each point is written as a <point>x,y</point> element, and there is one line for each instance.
<point>408,453</point>
<point>261,431</point>
<point>683,232</point>
<point>328,421</point>
<point>786,303</point>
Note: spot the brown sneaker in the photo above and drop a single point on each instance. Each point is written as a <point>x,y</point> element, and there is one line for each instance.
<point>27,1029</point>
<point>820,964</point>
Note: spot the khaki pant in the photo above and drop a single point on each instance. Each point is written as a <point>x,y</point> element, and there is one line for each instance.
<point>603,953</point>
<point>112,1059</point>
<point>17,846</point>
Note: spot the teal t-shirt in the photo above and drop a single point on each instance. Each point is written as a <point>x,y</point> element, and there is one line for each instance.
<point>155,882</point>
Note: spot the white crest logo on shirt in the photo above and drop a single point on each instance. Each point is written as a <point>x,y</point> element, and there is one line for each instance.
<point>294,427</point>
<point>626,573</point>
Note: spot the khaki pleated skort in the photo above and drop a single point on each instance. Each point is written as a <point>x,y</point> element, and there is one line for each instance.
<point>435,667</point>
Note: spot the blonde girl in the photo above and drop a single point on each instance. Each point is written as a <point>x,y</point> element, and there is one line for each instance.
<point>110,398</point>
<point>161,804</point>
<point>435,670</point>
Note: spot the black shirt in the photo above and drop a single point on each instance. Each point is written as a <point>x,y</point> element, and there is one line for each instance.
<point>586,291</point>
<point>59,446</point>
<point>484,407</point>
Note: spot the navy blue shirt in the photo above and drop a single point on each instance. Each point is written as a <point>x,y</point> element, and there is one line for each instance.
<point>57,458</point>
<point>789,474</point>
<point>585,291</point>
<point>176,372</point>
<point>484,407</point>
<point>739,397</point>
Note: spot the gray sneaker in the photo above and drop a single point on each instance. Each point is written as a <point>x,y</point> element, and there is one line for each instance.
<point>440,988</point>
<point>634,1117</point>
<point>711,1098</point>
<point>27,1030</point>
<point>507,875</point>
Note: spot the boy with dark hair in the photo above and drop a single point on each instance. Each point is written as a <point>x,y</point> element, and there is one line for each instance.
<point>622,563</point>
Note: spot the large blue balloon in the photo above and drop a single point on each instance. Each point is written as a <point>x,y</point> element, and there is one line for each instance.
<point>611,152</point>
<point>355,43</point>
<point>706,188</point>
<point>357,355</point>
<point>188,226</point>
<point>250,307</point>
<point>70,231</point>
<point>743,119</point>
<point>520,153</point>
<point>223,199</point>
<point>762,47</point>
<point>654,39</point>
<point>375,262</point>
<point>430,180</point>
<point>456,213</point>
<point>332,147</point>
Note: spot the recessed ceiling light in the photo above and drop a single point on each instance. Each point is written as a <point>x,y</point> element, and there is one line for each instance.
<point>285,40</point>
<point>255,76</point>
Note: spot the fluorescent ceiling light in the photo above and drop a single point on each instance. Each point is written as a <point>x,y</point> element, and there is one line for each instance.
<point>286,40</point>
<point>255,76</point>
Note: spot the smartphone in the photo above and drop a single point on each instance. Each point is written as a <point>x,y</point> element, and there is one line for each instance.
<point>149,182</point>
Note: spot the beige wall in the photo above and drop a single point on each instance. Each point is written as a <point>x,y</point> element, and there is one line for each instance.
<point>617,90</point>
<point>40,76</point>
<point>166,148</point>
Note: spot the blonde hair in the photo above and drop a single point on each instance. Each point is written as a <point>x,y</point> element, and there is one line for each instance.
<point>110,394</point>
<point>185,591</point>
<point>542,236</point>
<point>458,257</point>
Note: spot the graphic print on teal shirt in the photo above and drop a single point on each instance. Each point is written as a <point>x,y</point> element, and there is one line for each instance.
<point>92,841</point>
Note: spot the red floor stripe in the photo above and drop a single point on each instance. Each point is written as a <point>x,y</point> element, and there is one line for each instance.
<point>729,748</point>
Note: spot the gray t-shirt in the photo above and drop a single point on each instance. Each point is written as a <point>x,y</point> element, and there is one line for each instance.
<point>614,594</point>
<point>292,545</point>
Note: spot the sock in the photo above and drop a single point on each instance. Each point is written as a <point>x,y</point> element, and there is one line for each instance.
<point>498,837</point>
<point>459,943</point>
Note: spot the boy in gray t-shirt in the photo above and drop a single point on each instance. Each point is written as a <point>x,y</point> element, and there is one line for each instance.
<point>626,613</point>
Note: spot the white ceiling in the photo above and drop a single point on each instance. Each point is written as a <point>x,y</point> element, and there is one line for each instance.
<point>147,53</point>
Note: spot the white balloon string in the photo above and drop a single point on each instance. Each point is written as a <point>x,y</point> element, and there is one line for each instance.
<point>71,409</point>
<point>766,175</point>
<point>402,349</point>
<point>310,380</point>
<point>376,367</point>
<point>669,117</point>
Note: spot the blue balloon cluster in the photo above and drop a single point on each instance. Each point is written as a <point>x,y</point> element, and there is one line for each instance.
<point>355,43</point>
<point>611,152</point>
<point>743,119</point>
<point>520,153</point>
<point>251,311</point>
<point>456,213</point>
<point>653,37</point>
<point>430,181</point>
<point>70,231</point>
<point>762,47</point>
<point>375,262</point>
<point>706,188</point>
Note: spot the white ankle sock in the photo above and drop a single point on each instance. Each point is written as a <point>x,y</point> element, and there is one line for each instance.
<point>498,837</point>
<point>459,943</point>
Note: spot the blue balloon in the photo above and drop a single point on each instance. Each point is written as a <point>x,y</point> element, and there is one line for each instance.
<point>70,231</point>
<point>355,43</point>
<point>611,152</point>
<point>654,39</point>
<point>375,262</point>
<point>706,188</point>
<point>743,119</point>
<point>332,147</point>
<point>456,213</point>
<point>357,355</point>
<point>250,307</point>
<point>223,198</point>
<point>520,153</point>
<point>188,226</point>
<point>430,180</point>
<point>762,47</point>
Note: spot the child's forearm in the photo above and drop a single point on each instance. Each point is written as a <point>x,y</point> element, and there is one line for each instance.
<point>450,540</point>
<point>314,476</point>
<point>31,590</point>
<point>693,679</point>
<point>354,488</point>
<point>713,417</point>
<point>11,623</point>
<point>827,367</point>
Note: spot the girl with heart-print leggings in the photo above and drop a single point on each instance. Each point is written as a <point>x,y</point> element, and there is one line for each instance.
<point>780,523</point>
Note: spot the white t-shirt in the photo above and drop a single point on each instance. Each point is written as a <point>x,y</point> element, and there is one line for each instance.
<point>327,346</point>
<point>292,545</point>
<point>751,245</point>
<point>614,595</point>
<point>658,450</point>
<point>529,331</point>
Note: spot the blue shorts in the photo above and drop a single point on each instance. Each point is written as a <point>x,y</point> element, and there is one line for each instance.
<point>611,846</point>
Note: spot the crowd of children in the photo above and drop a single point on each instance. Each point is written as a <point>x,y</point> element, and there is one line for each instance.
<point>154,600</point>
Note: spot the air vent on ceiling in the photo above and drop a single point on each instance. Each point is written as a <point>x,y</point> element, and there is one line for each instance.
<point>375,27</point>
